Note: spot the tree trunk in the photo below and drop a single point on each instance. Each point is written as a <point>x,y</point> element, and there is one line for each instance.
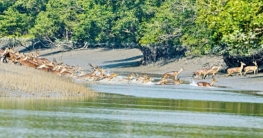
<point>156,53</point>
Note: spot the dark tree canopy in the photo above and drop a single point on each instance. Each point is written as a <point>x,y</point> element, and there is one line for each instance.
<point>161,29</point>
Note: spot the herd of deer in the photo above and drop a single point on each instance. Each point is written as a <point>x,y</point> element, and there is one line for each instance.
<point>34,61</point>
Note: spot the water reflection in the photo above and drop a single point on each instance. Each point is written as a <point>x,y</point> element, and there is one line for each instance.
<point>115,115</point>
<point>182,105</point>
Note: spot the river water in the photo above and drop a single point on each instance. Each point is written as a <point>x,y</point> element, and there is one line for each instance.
<point>135,110</point>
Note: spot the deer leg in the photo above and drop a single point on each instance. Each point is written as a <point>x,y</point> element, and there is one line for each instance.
<point>229,74</point>
<point>204,76</point>
<point>194,75</point>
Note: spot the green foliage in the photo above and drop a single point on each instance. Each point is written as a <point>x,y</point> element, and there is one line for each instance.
<point>173,24</point>
<point>94,22</point>
<point>234,23</point>
<point>57,21</point>
<point>18,17</point>
<point>203,26</point>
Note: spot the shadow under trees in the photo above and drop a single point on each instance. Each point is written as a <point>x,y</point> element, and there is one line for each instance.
<point>234,61</point>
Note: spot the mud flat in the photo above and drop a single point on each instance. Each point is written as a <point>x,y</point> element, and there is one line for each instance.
<point>126,61</point>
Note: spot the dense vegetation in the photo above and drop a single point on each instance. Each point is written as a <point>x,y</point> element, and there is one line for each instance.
<point>160,28</point>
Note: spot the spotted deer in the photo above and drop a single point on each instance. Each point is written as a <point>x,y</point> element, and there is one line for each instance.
<point>214,70</point>
<point>237,70</point>
<point>172,74</point>
<point>206,84</point>
<point>251,68</point>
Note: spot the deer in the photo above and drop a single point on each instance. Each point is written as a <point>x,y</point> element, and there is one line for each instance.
<point>203,72</point>
<point>27,63</point>
<point>68,69</point>
<point>10,54</point>
<point>163,81</point>
<point>2,55</point>
<point>3,58</point>
<point>50,65</point>
<point>206,84</point>
<point>214,70</point>
<point>44,67</point>
<point>178,81</point>
<point>37,60</point>
<point>36,55</point>
<point>251,68</point>
<point>30,56</point>
<point>146,79</point>
<point>238,70</point>
<point>100,74</point>
<point>55,70</point>
<point>79,68</point>
<point>111,76</point>
<point>68,73</point>
<point>56,63</point>
<point>173,74</point>
<point>130,77</point>
<point>140,78</point>
<point>92,75</point>
<point>87,76</point>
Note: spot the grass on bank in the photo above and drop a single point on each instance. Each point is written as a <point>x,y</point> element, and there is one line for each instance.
<point>20,81</point>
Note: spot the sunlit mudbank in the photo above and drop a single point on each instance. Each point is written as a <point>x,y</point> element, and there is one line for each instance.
<point>20,81</point>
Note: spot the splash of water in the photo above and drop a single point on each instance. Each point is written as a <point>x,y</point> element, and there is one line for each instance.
<point>193,83</point>
<point>108,72</point>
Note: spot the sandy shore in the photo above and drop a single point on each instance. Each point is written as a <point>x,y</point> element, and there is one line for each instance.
<point>124,61</point>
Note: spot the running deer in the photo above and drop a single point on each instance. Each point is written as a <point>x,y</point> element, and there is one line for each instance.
<point>238,70</point>
<point>251,68</point>
<point>100,74</point>
<point>140,78</point>
<point>146,79</point>
<point>88,76</point>
<point>173,74</point>
<point>203,72</point>
<point>112,75</point>
<point>206,84</point>
<point>130,77</point>
<point>214,70</point>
